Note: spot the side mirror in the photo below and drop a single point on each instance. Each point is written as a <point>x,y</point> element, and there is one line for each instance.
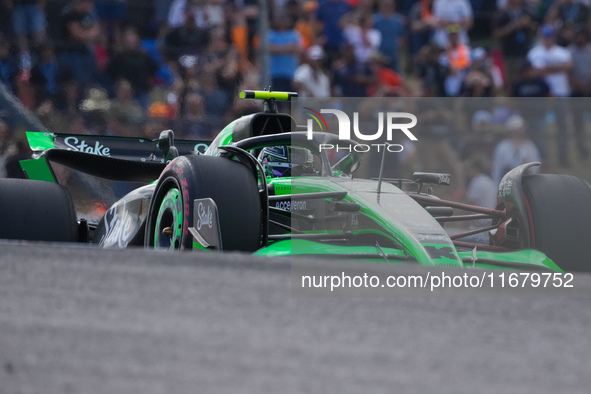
<point>348,164</point>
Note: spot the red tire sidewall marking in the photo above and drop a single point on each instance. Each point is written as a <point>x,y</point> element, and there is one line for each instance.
<point>186,199</point>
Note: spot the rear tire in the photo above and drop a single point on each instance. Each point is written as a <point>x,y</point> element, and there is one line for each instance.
<point>560,225</point>
<point>36,211</point>
<point>229,183</point>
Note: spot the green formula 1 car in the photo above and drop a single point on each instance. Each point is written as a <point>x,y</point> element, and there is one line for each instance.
<point>266,188</point>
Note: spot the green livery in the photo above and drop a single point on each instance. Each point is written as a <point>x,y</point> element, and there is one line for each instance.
<point>273,192</point>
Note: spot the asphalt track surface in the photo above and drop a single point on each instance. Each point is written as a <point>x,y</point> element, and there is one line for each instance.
<point>81,320</point>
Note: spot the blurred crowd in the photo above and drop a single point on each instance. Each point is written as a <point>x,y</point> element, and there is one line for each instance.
<point>137,67</point>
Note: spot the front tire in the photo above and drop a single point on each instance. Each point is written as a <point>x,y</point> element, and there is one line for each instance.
<point>559,213</point>
<point>229,183</point>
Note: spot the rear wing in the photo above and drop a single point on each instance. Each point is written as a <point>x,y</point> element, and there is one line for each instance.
<point>127,148</point>
<point>113,158</point>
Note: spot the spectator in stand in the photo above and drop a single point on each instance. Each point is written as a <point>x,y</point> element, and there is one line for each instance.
<point>8,65</point>
<point>422,26</point>
<point>95,108</point>
<point>28,18</point>
<point>215,99</point>
<point>205,13</point>
<point>580,75</point>
<point>196,123</point>
<point>477,83</point>
<point>237,32</point>
<point>229,75</point>
<point>177,13</point>
<point>241,29</point>
<point>69,99</point>
<point>387,82</point>
<point>480,136</point>
<point>173,95</point>
<point>164,75</point>
<point>473,133</point>
<point>285,47</point>
<point>481,123</point>
<point>140,13</point>
<point>48,74</point>
<point>310,79</point>
<point>329,15</point>
<point>431,71</point>
<point>250,11</point>
<point>214,10</point>
<point>554,63</point>
<point>393,31</point>
<point>292,9</point>
<point>435,148</point>
<point>124,110</point>
<point>363,37</point>
<point>112,14</point>
<point>80,29</point>
<point>530,84</point>
<point>483,78</point>
<point>51,118</point>
<point>360,9</point>
<point>132,64</point>
<point>580,79</point>
<point>351,78</point>
<point>452,12</point>
<point>568,16</point>
<point>458,58</point>
<point>216,50</point>
<point>514,27</point>
<point>516,149</point>
<point>481,191</point>
<point>161,10</point>
<point>306,23</point>
<point>159,119</point>
<point>186,39</point>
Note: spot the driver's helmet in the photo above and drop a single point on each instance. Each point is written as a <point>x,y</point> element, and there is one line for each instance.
<point>284,161</point>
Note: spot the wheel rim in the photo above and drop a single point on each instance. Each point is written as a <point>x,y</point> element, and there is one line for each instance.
<point>169,222</point>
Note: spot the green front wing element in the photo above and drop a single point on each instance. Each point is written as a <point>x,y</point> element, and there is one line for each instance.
<point>303,247</point>
<point>518,260</point>
<point>263,95</point>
